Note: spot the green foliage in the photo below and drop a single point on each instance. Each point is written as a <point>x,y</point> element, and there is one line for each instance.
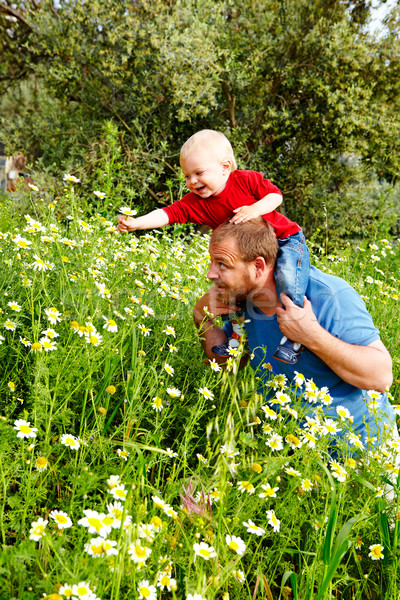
<point>303,90</point>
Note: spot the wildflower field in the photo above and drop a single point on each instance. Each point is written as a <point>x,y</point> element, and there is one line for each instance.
<point>133,468</point>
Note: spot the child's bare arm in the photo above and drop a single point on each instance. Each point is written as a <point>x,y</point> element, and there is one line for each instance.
<point>266,205</point>
<point>153,220</point>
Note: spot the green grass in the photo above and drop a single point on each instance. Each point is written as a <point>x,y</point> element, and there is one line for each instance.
<point>207,451</point>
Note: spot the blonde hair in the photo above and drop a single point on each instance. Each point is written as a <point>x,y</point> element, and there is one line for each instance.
<point>214,141</point>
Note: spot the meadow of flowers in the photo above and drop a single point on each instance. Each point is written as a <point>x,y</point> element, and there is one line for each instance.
<point>131,467</point>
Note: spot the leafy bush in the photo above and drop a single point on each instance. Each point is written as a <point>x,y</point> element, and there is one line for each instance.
<point>306,93</point>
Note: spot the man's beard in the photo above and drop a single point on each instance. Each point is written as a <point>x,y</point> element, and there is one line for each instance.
<point>234,296</point>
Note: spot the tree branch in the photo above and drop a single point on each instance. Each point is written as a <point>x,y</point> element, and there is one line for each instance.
<point>153,195</point>
<point>9,10</point>
<point>231,101</point>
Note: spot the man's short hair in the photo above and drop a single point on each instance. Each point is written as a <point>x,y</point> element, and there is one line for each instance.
<point>214,141</point>
<point>254,238</point>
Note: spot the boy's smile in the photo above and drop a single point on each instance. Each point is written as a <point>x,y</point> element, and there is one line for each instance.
<point>205,174</point>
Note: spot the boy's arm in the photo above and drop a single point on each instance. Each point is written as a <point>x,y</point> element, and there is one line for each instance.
<point>153,220</point>
<point>266,205</point>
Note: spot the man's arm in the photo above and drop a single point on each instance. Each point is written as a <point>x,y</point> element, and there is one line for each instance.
<point>366,367</point>
<point>153,220</point>
<point>266,205</point>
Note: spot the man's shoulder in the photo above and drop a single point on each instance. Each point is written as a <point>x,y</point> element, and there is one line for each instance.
<point>324,281</point>
<point>330,294</point>
<point>340,309</point>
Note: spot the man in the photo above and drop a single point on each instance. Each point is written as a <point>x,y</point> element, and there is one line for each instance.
<point>342,349</point>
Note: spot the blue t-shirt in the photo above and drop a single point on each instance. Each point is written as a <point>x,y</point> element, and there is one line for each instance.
<point>342,312</point>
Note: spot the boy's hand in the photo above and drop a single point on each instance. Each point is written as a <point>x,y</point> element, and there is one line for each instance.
<point>125,224</point>
<point>244,213</point>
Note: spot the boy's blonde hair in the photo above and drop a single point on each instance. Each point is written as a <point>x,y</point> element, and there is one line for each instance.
<point>215,141</point>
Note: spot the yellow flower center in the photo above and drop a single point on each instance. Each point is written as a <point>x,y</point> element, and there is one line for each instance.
<point>61,519</point>
<point>292,439</point>
<point>139,551</point>
<point>96,523</point>
<point>82,590</point>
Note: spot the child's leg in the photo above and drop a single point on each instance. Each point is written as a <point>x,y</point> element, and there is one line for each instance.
<point>237,336</point>
<point>292,272</point>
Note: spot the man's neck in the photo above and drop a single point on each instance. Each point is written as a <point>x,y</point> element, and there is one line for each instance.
<point>266,300</point>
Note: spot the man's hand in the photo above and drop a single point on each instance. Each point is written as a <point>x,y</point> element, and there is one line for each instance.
<point>125,224</point>
<point>210,334</point>
<point>210,306</point>
<point>244,213</point>
<point>296,323</point>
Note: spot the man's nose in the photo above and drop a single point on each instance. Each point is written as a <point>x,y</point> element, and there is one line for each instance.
<point>212,272</point>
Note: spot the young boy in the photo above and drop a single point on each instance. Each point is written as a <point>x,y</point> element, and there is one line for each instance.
<point>218,192</point>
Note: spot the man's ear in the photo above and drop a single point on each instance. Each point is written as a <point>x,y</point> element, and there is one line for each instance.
<point>260,266</point>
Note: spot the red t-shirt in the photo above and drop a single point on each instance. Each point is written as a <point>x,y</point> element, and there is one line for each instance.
<point>242,189</point>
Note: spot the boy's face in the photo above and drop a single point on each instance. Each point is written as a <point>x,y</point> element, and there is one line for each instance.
<point>205,174</point>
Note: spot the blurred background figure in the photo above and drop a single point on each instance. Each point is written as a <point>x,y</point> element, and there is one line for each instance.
<point>14,168</point>
<point>3,160</point>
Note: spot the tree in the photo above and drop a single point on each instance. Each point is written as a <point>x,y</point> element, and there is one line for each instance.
<point>303,90</point>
